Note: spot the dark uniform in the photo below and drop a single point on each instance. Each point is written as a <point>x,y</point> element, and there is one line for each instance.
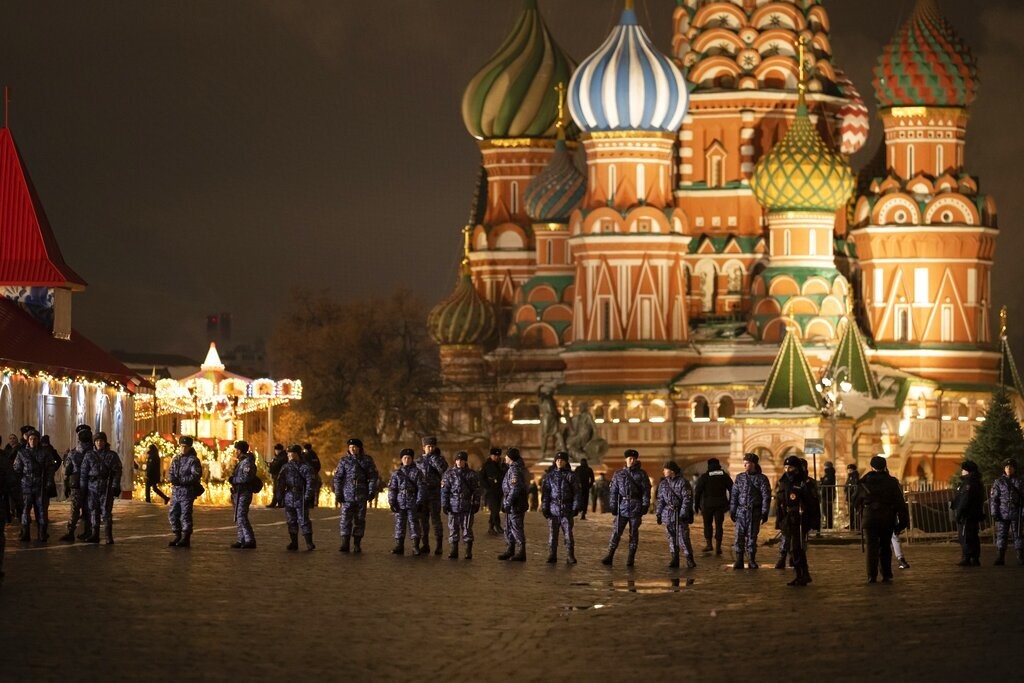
<point>185,474</point>
<point>967,506</point>
<point>629,500</point>
<point>674,509</point>
<point>711,499</point>
<point>586,476</point>
<point>72,484</point>
<point>491,474</point>
<point>460,500</point>
<point>405,498</point>
<point>514,487</point>
<point>749,503</point>
<point>1005,503</point>
<point>297,484</point>
<point>355,482</point>
<point>798,510</point>
<point>828,495</point>
<point>34,468</point>
<point>153,474</point>
<point>852,480</point>
<point>433,466</point>
<point>883,511</point>
<point>101,478</point>
<point>561,500</point>
<point>8,490</point>
<point>310,457</point>
<point>243,481</point>
<point>280,458</point>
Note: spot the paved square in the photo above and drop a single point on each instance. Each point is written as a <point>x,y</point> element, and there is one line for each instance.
<point>139,610</point>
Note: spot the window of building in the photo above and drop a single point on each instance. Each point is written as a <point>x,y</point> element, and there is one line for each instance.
<point>902,323</point>
<point>972,285</point>
<point>726,407</point>
<point>910,160</point>
<point>787,243</point>
<point>920,285</point>
<point>515,197</point>
<point>947,322</point>
<point>641,182</point>
<point>878,286</point>
<point>701,409</point>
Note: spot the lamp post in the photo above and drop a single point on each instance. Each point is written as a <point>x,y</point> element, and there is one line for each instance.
<point>831,388</point>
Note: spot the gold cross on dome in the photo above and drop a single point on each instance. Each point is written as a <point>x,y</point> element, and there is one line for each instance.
<point>464,265</point>
<point>1002,322</point>
<point>560,122</point>
<point>801,47</point>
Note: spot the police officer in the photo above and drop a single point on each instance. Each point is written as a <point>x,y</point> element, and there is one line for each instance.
<point>186,475</point>
<point>585,475</point>
<point>460,500</point>
<point>31,465</point>
<point>433,466</point>
<point>711,499</point>
<point>72,484</point>
<point>355,483</point>
<point>297,483</point>
<point>1005,505</point>
<point>405,498</point>
<point>749,502</point>
<point>8,490</point>
<point>492,473</point>
<point>514,487</point>
<point>674,508</point>
<point>243,481</point>
<point>310,457</point>
<point>629,500</point>
<point>561,500</point>
<point>883,513</point>
<point>798,509</point>
<point>101,478</point>
<point>967,506</point>
<point>280,458</point>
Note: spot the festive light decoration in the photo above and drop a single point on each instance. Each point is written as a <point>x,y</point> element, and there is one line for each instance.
<point>8,372</point>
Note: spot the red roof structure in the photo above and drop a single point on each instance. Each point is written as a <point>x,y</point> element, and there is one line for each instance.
<point>26,344</point>
<point>29,254</point>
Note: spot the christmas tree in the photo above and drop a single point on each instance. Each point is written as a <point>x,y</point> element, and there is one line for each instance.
<point>997,438</point>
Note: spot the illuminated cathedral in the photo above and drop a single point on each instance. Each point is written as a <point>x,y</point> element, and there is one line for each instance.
<point>676,247</point>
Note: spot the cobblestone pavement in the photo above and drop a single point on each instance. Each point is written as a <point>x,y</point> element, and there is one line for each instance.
<point>139,610</point>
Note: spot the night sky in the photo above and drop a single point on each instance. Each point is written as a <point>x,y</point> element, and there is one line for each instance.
<point>195,157</point>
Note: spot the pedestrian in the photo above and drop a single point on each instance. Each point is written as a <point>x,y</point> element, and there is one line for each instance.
<point>310,457</point>
<point>850,488</point>
<point>355,482</point>
<point>514,502</point>
<point>828,495</point>
<point>460,500</point>
<point>562,499</point>
<point>629,500</point>
<point>491,474</point>
<point>897,551</point>
<point>405,497</point>
<point>799,511</point>
<point>534,494</point>
<point>749,502</point>
<point>883,512</point>
<point>433,466</point>
<point>8,490</point>
<point>297,484</point>
<point>711,499</point>
<point>9,453</point>
<point>72,484</point>
<point>153,473</point>
<point>967,507</point>
<point>601,494</point>
<point>674,509</point>
<point>280,458</point>
<point>585,475</point>
<point>185,474</point>
<point>53,463</point>
<point>101,479</point>
<point>32,467</point>
<point>814,520</point>
<point>244,483</point>
<point>1005,505</point>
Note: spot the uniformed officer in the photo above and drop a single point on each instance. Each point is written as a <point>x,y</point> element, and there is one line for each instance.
<point>629,500</point>
<point>32,466</point>
<point>711,499</point>
<point>560,501</point>
<point>749,503</point>
<point>243,481</point>
<point>1005,504</point>
<point>8,491</point>
<point>72,484</point>
<point>186,473</point>
<point>799,510</point>
<point>883,512</point>
<point>492,473</point>
<point>405,498</point>
<point>355,483</point>
<point>101,478</point>
<point>514,488</point>
<point>460,500</point>
<point>298,487</point>
<point>433,466</point>
<point>674,509</point>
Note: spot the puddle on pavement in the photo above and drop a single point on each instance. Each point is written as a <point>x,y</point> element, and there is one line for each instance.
<point>647,586</point>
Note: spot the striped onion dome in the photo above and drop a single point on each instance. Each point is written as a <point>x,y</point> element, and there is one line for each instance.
<point>628,84</point>
<point>926,64</point>
<point>513,95</point>
<point>801,173</point>
<point>463,318</point>
<point>553,194</point>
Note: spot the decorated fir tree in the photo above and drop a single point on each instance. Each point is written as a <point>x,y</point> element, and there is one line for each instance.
<point>997,438</point>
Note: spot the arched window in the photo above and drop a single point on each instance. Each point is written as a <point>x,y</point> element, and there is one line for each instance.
<point>701,409</point>
<point>657,411</point>
<point>726,407</point>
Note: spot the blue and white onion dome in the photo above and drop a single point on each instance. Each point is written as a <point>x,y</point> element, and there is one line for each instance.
<point>628,84</point>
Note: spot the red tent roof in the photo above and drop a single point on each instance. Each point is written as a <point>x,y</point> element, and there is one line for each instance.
<point>29,254</point>
<point>24,343</point>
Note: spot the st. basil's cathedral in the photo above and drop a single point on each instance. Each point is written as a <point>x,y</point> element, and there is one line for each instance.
<point>671,252</point>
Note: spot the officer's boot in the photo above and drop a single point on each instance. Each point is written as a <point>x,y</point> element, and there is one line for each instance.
<point>781,564</point>
<point>752,564</point>
<point>177,539</point>
<point>415,546</point>
<point>553,553</point>
<point>437,548</point>
<point>607,560</point>
<point>674,564</point>
<point>94,537</point>
<point>399,548</point>
<point>357,544</point>
<point>707,545</point>
<point>309,541</point>
<point>1000,557</point>
<point>69,537</point>
<point>738,564</point>
<point>690,564</point>
<point>718,547</point>
<point>521,555</point>
<point>294,537</point>
<point>454,554</point>
<point>344,544</point>
<point>631,557</point>
<point>237,544</point>
<point>24,538</point>
<point>510,550</point>
<point>86,533</point>
<point>469,550</point>
<point>109,529</point>
<point>186,540</point>
<point>425,547</point>
<point>43,535</point>
<point>571,554</point>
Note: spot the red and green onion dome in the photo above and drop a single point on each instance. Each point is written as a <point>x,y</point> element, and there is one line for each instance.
<point>926,64</point>
<point>464,318</point>
<point>557,190</point>
<point>514,95</point>
<point>801,173</point>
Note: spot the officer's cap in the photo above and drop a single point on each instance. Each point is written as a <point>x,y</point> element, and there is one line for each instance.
<point>513,453</point>
<point>562,455</point>
<point>672,466</point>
<point>631,453</point>
<point>355,442</point>
<point>751,457</point>
<point>791,461</point>
<point>185,441</point>
<point>851,466</point>
<point>278,447</point>
<point>82,428</point>
<point>429,441</point>
<point>713,464</point>
<point>407,451</point>
<point>242,446</point>
<point>31,432</point>
<point>495,450</point>
<point>100,436</point>
<point>878,463</point>
<point>969,466</point>
<point>1012,462</point>
<point>462,455</point>
<point>26,429</point>
<point>295,448</point>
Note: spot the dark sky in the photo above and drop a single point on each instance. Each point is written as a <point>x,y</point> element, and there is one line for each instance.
<point>197,156</point>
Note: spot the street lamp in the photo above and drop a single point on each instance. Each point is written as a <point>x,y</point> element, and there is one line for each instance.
<point>831,388</point>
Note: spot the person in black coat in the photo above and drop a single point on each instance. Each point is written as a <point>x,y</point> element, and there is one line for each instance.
<point>585,475</point>
<point>711,499</point>
<point>280,458</point>
<point>153,473</point>
<point>491,475</point>
<point>828,495</point>
<point>967,506</point>
<point>310,457</point>
<point>883,511</point>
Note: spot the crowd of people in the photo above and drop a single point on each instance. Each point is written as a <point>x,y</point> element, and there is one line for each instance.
<point>425,488</point>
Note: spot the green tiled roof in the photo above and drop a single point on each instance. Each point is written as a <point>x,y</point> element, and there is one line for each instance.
<point>790,383</point>
<point>852,355</point>
<point>1008,376</point>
